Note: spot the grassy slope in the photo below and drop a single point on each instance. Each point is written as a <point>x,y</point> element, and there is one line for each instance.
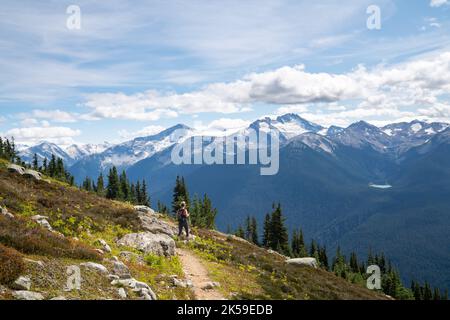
<point>244,270</point>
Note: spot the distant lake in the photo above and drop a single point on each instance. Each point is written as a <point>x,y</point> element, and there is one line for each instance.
<point>380,186</point>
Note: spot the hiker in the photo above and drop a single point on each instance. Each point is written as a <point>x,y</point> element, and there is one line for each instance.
<point>183,216</point>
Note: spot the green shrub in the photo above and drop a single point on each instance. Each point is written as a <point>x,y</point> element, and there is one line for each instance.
<point>11,265</point>
<point>28,238</point>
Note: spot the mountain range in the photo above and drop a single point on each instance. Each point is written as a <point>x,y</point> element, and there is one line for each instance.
<point>362,187</point>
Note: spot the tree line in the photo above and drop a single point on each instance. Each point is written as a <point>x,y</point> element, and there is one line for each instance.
<point>275,236</point>
<point>118,187</point>
<point>53,167</point>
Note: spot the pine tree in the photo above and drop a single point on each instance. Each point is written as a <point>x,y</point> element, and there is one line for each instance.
<point>138,192</point>
<point>113,188</point>
<point>427,293</point>
<point>266,231</point>
<point>323,258</point>
<point>278,233</point>
<point>354,267</point>
<point>145,201</point>
<point>100,185</point>
<point>179,194</point>
<point>254,232</point>
<point>87,184</point>
<point>45,166</point>
<point>35,162</point>
<point>240,232</point>
<point>162,208</point>
<point>125,191</point>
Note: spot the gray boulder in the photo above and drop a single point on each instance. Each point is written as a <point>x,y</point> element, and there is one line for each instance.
<point>144,210</point>
<point>210,285</point>
<point>147,242</point>
<point>22,283</point>
<point>308,262</point>
<point>32,174</point>
<point>105,246</point>
<point>95,266</point>
<point>121,270</point>
<point>42,221</point>
<point>27,295</point>
<point>59,298</point>
<point>16,169</point>
<point>6,213</point>
<point>154,225</point>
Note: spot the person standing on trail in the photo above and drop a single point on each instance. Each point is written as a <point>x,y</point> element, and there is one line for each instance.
<point>183,216</point>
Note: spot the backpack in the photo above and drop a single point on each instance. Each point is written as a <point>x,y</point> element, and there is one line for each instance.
<point>183,214</point>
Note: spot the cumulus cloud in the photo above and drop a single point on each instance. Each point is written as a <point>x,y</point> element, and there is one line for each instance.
<point>416,83</point>
<point>32,135</point>
<point>438,3</point>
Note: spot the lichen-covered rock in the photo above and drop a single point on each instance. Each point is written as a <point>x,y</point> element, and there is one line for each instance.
<point>308,262</point>
<point>104,245</point>
<point>121,270</point>
<point>22,283</point>
<point>42,220</point>
<point>16,169</point>
<point>32,174</point>
<point>144,210</point>
<point>95,266</point>
<point>27,295</point>
<point>6,213</point>
<point>154,225</point>
<point>148,242</point>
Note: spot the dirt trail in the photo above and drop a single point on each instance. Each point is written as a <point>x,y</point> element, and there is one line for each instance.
<point>197,273</point>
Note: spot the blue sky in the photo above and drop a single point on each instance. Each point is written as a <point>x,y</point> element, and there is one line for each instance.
<point>134,69</point>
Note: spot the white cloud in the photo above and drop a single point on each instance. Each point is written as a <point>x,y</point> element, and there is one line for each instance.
<point>32,135</point>
<point>438,3</point>
<point>416,83</point>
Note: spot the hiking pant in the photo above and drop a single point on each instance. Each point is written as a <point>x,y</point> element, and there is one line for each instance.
<point>183,223</point>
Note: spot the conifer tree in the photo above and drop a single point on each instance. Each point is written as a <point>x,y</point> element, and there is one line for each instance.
<point>254,232</point>
<point>113,188</point>
<point>35,162</point>
<point>266,231</point>
<point>145,201</point>
<point>100,185</point>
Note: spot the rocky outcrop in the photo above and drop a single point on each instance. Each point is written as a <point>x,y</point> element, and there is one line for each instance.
<point>32,174</point>
<point>141,288</point>
<point>42,220</point>
<point>308,262</point>
<point>121,270</point>
<point>210,285</point>
<point>16,169</point>
<point>95,266</point>
<point>27,295</point>
<point>104,246</point>
<point>147,242</point>
<point>6,213</point>
<point>144,210</point>
<point>154,225</point>
<point>22,283</point>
